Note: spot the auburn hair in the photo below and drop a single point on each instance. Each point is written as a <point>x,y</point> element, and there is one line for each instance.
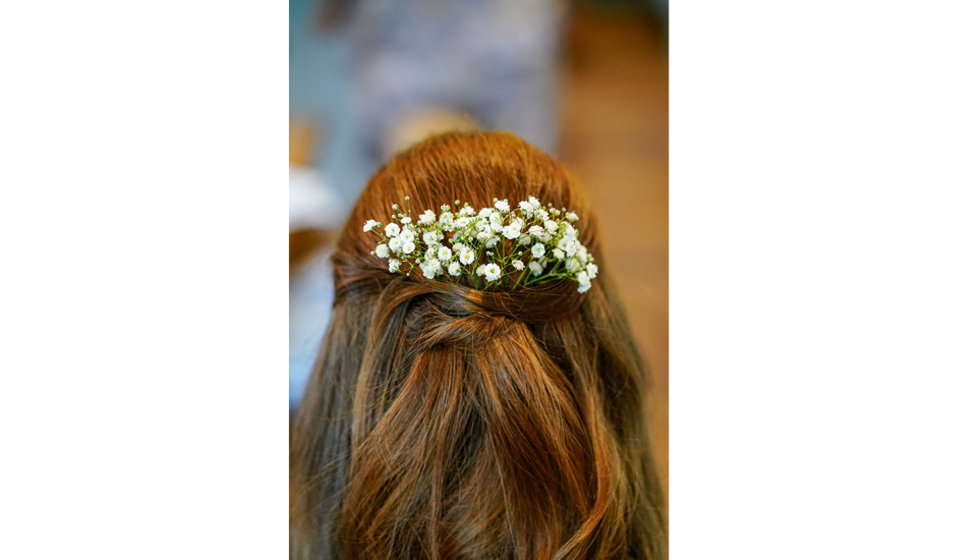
<point>446,422</point>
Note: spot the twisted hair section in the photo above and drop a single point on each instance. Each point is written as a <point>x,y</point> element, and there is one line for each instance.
<point>446,422</point>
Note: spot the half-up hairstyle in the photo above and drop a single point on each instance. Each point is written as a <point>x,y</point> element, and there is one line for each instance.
<point>445,422</point>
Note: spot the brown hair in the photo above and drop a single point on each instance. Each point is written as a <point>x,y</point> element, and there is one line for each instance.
<point>446,422</point>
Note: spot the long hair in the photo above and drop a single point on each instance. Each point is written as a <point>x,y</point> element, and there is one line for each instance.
<point>446,422</point>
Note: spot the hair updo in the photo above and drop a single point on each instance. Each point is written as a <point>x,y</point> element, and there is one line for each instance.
<point>442,421</point>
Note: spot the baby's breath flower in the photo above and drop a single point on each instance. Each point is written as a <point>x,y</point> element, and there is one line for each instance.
<point>545,235</point>
<point>584,283</point>
<point>446,220</point>
<point>496,222</point>
<point>431,268</point>
<point>568,244</point>
<point>513,230</point>
<point>492,271</point>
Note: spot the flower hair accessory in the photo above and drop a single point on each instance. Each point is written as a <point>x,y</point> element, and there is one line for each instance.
<point>495,248</point>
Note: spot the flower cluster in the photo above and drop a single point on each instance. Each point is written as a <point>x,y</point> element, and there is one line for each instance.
<point>494,248</point>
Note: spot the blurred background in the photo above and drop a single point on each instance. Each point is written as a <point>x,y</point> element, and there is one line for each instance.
<point>585,81</point>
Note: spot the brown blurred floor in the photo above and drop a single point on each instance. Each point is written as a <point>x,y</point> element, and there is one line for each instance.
<point>614,137</point>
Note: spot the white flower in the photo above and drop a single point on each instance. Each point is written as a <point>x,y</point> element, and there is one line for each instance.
<point>467,255</point>
<point>525,240</point>
<point>461,223</point>
<point>569,245</point>
<point>518,264</point>
<point>407,235</point>
<point>467,210</point>
<point>541,214</point>
<point>534,202</point>
<point>395,243</point>
<point>535,268</point>
<point>583,282</point>
<point>432,237</point>
<point>572,217</point>
<point>592,270</point>
<point>454,269</point>
<point>446,220</point>
<point>393,265</point>
<point>381,250</point>
<point>573,265</point>
<point>496,222</point>
<point>551,226</point>
<point>431,268</point>
<point>406,220</point>
<point>513,230</point>
<point>427,217</point>
<point>457,247</point>
<point>484,213</point>
<point>492,272</point>
<point>408,247</point>
<point>445,253</point>
<point>392,230</point>
<point>492,242</point>
<point>582,254</point>
<point>537,251</point>
<point>502,205</point>
<point>370,224</point>
<point>559,254</point>
<point>481,269</point>
<point>430,253</point>
<point>536,231</point>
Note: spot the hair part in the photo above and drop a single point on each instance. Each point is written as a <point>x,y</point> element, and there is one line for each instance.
<point>446,422</point>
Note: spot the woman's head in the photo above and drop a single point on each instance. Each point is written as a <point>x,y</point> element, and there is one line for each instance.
<point>443,421</point>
